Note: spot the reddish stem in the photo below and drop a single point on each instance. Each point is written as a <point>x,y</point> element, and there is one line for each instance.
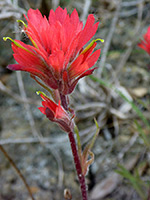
<point>148,198</point>
<point>78,166</point>
<point>64,102</point>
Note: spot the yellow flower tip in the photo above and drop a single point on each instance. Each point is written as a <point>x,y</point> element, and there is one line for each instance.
<point>6,38</point>
<point>21,22</point>
<point>90,45</point>
<point>25,25</point>
<point>102,40</point>
<point>39,92</point>
<point>16,43</point>
<point>99,39</point>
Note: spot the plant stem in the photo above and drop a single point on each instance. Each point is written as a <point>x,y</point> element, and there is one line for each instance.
<point>64,101</point>
<point>17,170</point>
<point>78,166</point>
<point>148,198</point>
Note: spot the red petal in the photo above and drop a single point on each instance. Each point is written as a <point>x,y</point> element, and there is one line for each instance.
<point>37,29</point>
<point>48,103</point>
<point>56,61</point>
<point>35,17</point>
<point>71,50</point>
<point>80,70</point>
<point>61,14</point>
<point>58,15</point>
<point>74,19</point>
<point>28,48</point>
<point>49,114</point>
<point>93,58</point>
<point>88,72</point>
<point>23,68</point>
<point>27,59</point>
<point>89,51</point>
<point>88,31</point>
<point>48,80</point>
<point>42,110</point>
<point>74,68</point>
<point>60,113</point>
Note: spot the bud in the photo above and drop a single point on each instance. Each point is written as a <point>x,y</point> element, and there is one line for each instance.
<point>67,194</point>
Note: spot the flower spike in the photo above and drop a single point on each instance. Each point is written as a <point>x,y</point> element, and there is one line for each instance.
<point>85,162</point>
<point>59,59</point>
<point>56,113</point>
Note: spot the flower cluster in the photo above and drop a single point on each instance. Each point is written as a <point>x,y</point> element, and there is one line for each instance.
<point>56,113</point>
<point>145,44</point>
<point>57,56</point>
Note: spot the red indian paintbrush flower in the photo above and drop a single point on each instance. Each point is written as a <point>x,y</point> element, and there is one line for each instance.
<point>56,113</point>
<point>145,44</point>
<point>56,55</point>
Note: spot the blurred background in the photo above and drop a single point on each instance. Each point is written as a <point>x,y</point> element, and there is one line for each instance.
<point>117,95</point>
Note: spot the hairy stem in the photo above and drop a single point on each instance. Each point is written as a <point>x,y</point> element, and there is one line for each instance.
<point>148,198</point>
<point>64,101</point>
<point>17,170</point>
<point>78,166</point>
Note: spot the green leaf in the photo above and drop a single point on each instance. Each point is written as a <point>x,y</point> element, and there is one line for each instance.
<point>87,152</point>
<point>88,163</point>
<point>91,144</point>
<point>142,134</point>
<point>136,181</point>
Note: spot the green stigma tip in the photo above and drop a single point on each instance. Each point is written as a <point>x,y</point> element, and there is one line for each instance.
<point>5,38</point>
<point>16,43</point>
<point>8,38</point>
<point>21,22</point>
<point>38,92</point>
<point>101,40</point>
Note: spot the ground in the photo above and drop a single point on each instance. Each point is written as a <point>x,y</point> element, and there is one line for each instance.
<point>42,151</point>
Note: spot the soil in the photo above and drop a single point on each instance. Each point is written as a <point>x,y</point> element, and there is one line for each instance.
<point>42,151</point>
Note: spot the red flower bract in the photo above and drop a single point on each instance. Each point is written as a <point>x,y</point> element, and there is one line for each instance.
<point>56,55</point>
<point>145,44</point>
<point>56,113</point>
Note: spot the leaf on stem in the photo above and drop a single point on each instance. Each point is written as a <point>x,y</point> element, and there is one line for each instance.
<point>85,160</point>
